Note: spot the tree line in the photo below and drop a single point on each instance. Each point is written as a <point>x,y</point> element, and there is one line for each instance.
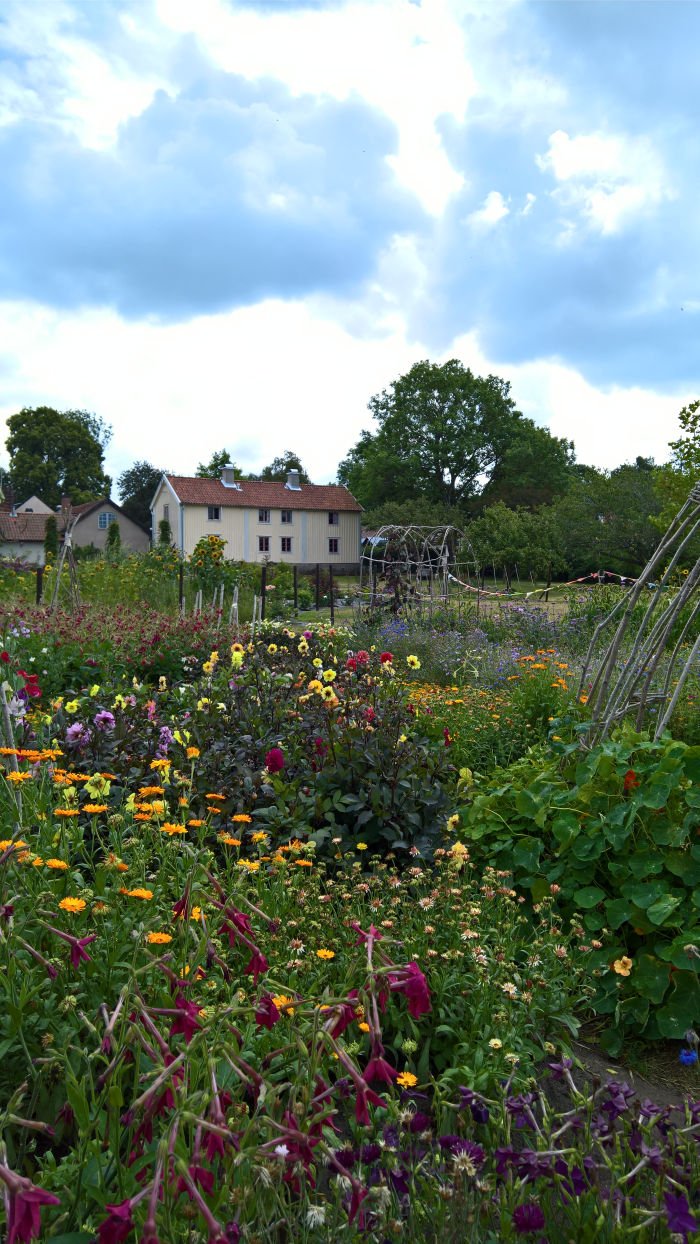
<point>446,446</point>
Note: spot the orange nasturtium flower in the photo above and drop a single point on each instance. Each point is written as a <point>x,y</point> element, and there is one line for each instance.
<point>622,966</point>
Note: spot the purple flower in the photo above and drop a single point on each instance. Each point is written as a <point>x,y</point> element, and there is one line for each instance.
<point>23,1201</point>
<point>78,735</point>
<point>477,1105</point>
<point>165,738</point>
<point>678,1216</point>
<point>527,1218</point>
<point>688,1058</point>
<point>104,721</point>
<point>118,1226</point>
<point>274,760</point>
<point>266,1014</point>
<point>457,1144</point>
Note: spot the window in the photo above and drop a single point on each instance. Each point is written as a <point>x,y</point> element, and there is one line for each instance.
<point>263,516</point>
<point>213,513</point>
<point>104,519</point>
<point>286,544</point>
<point>333,518</point>
<point>286,516</point>
<point>166,513</point>
<point>333,545</point>
<point>263,544</point>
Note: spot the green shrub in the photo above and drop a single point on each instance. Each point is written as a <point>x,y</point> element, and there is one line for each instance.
<point>613,832</point>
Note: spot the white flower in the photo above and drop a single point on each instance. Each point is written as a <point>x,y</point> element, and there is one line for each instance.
<point>316,1215</point>
<point>281,1151</point>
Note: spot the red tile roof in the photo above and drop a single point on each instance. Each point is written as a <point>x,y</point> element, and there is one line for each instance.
<point>269,494</point>
<point>31,527</point>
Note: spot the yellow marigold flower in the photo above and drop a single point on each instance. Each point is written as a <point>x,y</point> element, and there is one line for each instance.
<point>15,776</point>
<point>228,841</point>
<point>161,763</point>
<point>158,939</point>
<point>413,663</point>
<point>251,865</point>
<point>169,827</point>
<point>283,1003</point>
<point>259,837</point>
<point>361,846</point>
<point>623,966</point>
<point>196,913</point>
<point>72,904</point>
<point>406,1079</point>
<point>57,864</point>
<point>242,817</point>
<point>325,954</point>
<point>94,808</point>
<point>140,892</point>
<point>192,753</point>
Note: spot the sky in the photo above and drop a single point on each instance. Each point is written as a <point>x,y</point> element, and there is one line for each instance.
<point>229,223</point>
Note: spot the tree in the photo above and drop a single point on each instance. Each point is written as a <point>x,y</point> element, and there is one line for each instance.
<point>279,468</point>
<point>674,480</point>
<point>137,488</point>
<point>528,541</point>
<point>212,469</point>
<point>58,453</point>
<point>534,469</point>
<point>114,542</point>
<point>51,539</point>
<point>606,519</point>
<point>440,430</point>
<point>420,513</point>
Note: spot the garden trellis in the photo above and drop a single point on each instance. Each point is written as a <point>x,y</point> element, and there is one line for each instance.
<point>650,678</point>
<point>414,567</point>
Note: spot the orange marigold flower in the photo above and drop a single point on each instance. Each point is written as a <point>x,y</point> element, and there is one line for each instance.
<point>169,827</point>
<point>303,863</point>
<point>195,823</point>
<point>159,939</point>
<point>210,796</point>
<point>94,808</point>
<point>145,791</point>
<point>192,753</point>
<point>140,892</point>
<point>325,954</point>
<point>228,841</point>
<point>143,816</point>
<point>57,864</point>
<point>72,904</point>
<point>7,842</point>
<point>242,817</point>
<point>15,776</point>
<point>160,764</point>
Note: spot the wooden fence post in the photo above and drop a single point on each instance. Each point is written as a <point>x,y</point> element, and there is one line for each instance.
<point>39,583</point>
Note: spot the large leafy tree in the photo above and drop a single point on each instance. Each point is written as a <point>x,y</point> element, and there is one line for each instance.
<point>212,469</point>
<point>440,430</point>
<point>57,453</point>
<point>137,487</point>
<point>519,541</point>
<point>279,468</point>
<point>675,479</point>
<point>606,519</point>
<point>534,469</point>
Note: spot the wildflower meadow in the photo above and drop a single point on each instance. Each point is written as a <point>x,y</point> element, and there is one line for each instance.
<point>302,933</point>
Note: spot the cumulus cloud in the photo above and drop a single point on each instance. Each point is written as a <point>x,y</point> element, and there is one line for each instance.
<point>226,193</point>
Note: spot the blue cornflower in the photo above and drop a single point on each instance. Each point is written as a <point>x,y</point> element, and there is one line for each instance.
<point>688,1058</point>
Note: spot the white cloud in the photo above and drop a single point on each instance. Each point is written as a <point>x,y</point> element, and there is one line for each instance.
<point>493,209</point>
<point>609,178</point>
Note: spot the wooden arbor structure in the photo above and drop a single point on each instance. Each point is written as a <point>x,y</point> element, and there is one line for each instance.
<point>413,567</point>
<point>641,674</point>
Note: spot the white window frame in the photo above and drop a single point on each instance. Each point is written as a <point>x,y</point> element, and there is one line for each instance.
<point>108,518</point>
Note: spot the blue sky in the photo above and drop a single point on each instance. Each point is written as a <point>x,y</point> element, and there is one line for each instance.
<point>232,222</point>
